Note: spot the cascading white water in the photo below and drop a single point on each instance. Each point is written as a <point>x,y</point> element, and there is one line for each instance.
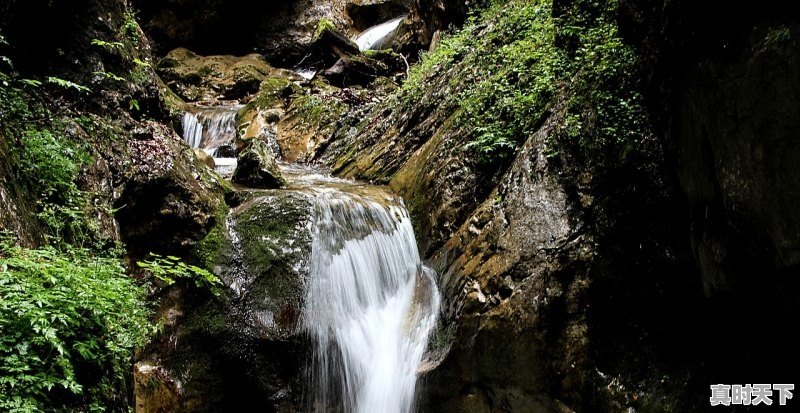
<point>192,130</point>
<point>209,128</point>
<point>306,74</point>
<point>375,37</point>
<point>371,304</point>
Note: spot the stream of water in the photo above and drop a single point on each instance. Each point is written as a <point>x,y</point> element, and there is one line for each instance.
<point>376,36</point>
<point>371,303</point>
<point>213,129</point>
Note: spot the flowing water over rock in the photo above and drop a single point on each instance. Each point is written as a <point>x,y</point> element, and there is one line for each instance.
<point>376,36</point>
<point>213,129</point>
<point>371,303</point>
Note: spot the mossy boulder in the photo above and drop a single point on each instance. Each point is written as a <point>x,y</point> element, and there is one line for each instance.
<point>241,348</point>
<point>258,119</point>
<point>310,123</point>
<point>274,233</point>
<point>362,69</point>
<point>209,78</point>
<point>330,44</point>
<point>169,200</point>
<point>257,167</point>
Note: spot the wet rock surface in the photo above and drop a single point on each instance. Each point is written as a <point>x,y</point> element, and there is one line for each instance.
<point>242,348</point>
<point>209,78</point>
<point>257,167</point>
<point>168,202</point>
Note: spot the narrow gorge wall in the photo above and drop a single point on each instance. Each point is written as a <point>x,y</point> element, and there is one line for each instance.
<point>588,287</point>
<point>724,79</point>
<point>283,30</point>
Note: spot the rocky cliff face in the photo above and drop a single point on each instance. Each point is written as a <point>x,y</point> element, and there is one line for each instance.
<point>578,283</point>
<point>284,30</point>
<point>723,81</point>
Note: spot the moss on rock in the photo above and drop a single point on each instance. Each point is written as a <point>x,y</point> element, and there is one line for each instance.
<point>275,241</point>
<point>208,78</point>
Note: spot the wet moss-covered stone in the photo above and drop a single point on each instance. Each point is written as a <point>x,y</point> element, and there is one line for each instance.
<point>242,347</point>
<point>309,124</point>
<point>275,241</point>
<point>258,168</point>
<point>208,78</point>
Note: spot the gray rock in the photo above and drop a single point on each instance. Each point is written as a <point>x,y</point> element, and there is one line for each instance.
<point>258,168</point>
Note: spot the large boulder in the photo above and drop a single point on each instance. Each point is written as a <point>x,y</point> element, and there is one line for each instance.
<point>329,45</point>
<point>167,203</point>
<point>258,168</point>
<point>242,348</point>
<point>310,123</point>
<point>363,69</point>
<point>208,78</point>
<point>259,118</point>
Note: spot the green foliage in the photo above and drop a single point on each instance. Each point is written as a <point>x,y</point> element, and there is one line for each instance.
<point>30,82</point>
<point>51,165</point>
<point>776,37</point>
<point>323,25</point>
<point>66,84</point>
<point>606,113</point>
<point>141,63</point>
<point>432,63</point>
<point>511,62</point>
<point>69,323</point>
<point>108,45</point>
<point>110,76</point>
<point>170,269</point>
<point>130,28</point>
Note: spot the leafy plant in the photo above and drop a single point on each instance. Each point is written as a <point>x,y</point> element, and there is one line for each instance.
<point>31,82</point>
<point>110,76</point>
<point>134,105</point>
<point>141,63</point>
<point>66,84</point>
<point>51,166</point>
<point>512,61</point>
<point>130,29</point>
<point>170,269</point>
<point>69,322</point>
<point>323,25</point>
<point>108,45</point>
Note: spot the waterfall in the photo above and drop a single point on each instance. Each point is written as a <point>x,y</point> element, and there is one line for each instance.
<point>306,74</point>
<point>213,129</point>
<point>371,303</point>
<point>209,128</point>
<point>375,37</point>
<point>192,130</point>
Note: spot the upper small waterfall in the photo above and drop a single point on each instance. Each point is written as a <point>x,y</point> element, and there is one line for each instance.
<point>376,36</point>
<point>371,303</point>
<point>209,128</point>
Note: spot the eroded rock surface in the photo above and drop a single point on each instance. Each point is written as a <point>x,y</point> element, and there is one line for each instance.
<point>242,348</point>
<point>209,78</point>
<point>257,167</point>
